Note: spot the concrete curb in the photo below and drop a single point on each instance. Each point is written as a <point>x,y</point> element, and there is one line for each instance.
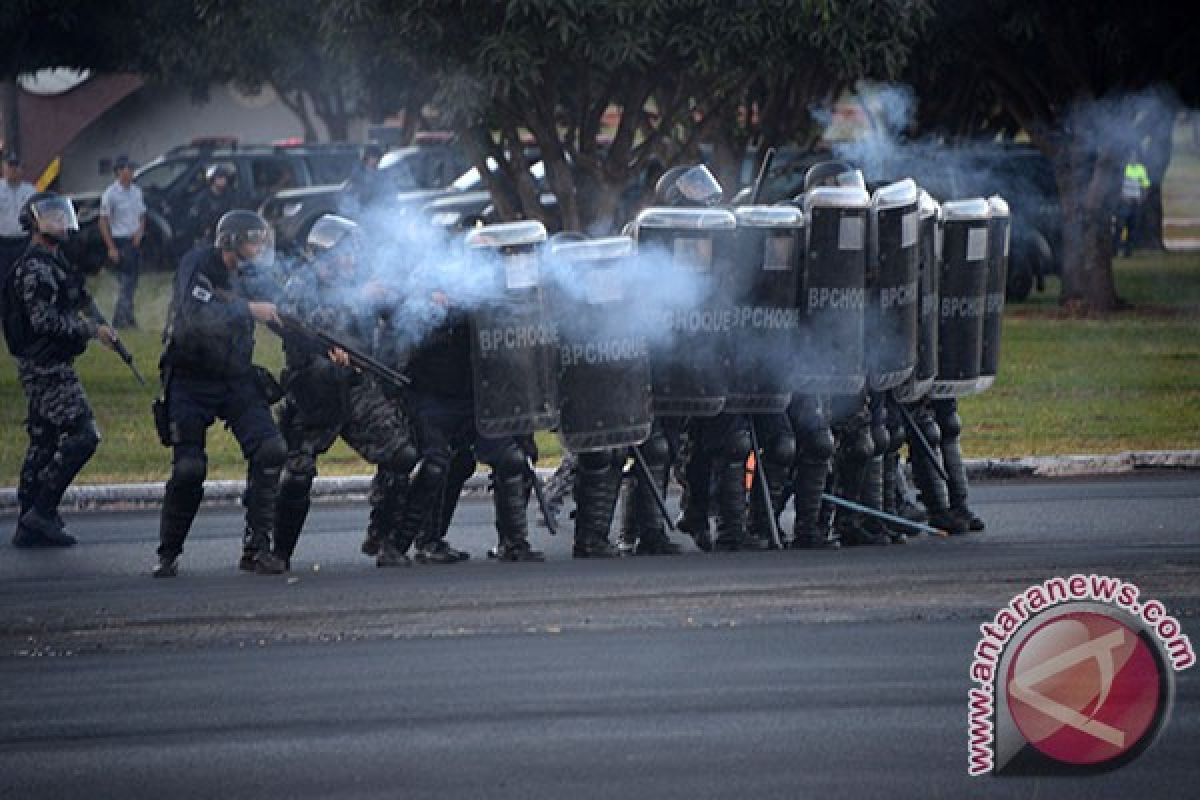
<point>355,487</point>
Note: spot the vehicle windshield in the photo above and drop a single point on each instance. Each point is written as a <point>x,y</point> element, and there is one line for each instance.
<point>161,176</point>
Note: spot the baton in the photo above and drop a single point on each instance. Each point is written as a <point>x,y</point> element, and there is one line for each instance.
<point>539,491</point>
<point>639,463</point>
<point>911,424</point>
<point>761,475</point>
<point>874,512</point>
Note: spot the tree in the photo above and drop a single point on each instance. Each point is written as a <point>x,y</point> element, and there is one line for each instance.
<point>1079,79</point>
<point>679,73</point>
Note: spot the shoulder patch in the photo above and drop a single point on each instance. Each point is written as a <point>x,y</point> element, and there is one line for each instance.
<point>201,294</point>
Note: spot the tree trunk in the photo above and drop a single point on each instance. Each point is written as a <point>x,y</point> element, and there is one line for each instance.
<point>1156,157</point>
<point>1087,182</point>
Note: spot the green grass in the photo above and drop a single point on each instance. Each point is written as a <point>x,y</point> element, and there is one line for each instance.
<point>1127,381</point>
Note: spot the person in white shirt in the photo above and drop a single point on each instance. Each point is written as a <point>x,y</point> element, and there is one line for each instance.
<point>122,225</point>
<point>14,193</point>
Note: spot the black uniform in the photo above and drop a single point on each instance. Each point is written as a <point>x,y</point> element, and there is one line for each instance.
<point>207,373</point>
<point>47,323</point>
<point>443,410</point>
<point>206,211</point>
<point>325,401</point>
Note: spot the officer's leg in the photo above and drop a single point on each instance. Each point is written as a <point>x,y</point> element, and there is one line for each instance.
<point>814,458</point>
<point>127,281</point>
<point>891,469</point>
<point>946,412</point>
<point>560,484</point>
<point>434,430</point>
<point>877,483</point>
<point>597,483</point>
<point>930,487</point>
<point>61,410</point>
<point>431,545</point>
<point>733,435</point>
<point>778,444</point>
<point>378,431</point>
<point>265,452</point>
<point>190,415</point>
<point>511,496</point>
<point>43,443</point>
<point>641,519</point>
<point>695,483</point>
<point>853,466</point>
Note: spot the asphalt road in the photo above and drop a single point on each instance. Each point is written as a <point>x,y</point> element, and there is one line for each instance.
<point>748,675</point>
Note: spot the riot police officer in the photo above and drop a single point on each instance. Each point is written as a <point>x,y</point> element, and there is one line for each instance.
<point>442,406</point>
<point>48,321</point>
<point>718,440</point>
<point>213,202</point>
<point>325,398</point>
<point>220,293</point>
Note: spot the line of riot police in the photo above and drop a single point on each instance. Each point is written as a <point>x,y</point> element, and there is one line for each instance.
<point>821,335</point>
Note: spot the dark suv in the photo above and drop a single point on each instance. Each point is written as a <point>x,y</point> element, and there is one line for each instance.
<point>407,174</point>
<point>171,183</point>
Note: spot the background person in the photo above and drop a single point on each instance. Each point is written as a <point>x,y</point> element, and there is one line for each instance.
<point>122,226</point>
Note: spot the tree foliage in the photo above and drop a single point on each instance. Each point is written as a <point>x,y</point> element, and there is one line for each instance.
<point>679,73</point>
<point>1087,82</point>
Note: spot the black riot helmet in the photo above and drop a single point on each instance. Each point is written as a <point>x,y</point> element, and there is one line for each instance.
<point>215,171</point>
<point>688,186</point>
<point>833,173</point>
<point>50,215</point>
<point>248,235</point>
<point>334,237</point>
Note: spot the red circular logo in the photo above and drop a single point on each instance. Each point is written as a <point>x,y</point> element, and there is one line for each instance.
<point>1084,688</point>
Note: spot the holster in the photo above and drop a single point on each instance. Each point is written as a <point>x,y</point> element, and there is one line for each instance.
<point>162,422</point>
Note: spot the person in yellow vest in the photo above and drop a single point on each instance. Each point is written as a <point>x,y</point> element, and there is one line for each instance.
<point>1134,186</point>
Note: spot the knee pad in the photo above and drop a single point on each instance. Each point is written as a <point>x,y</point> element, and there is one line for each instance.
<point>781,449</point>
<point>401,458</point>
<point>656,450</point>
<point>950,425</point>
<point>510,462</point>
<point>79,443</point>
<point>858,445</point>
<point>189,470</point>
<point>817,444</point>
<point>298,473</point>
<point>270,454</point>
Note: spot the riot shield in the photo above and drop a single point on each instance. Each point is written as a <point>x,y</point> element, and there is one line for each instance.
<point>892,286</point>
<point>763,285</point>
<point>929,248</point>
<point>963,284</point>
<point>999,227</point>
<point>833,295</point>
<point>604,358</point>
<point>514,348</point>
<point>689,358</point>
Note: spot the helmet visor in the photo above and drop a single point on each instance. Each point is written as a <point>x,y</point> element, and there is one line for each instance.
<point>256,247</point>
<point>55,216</point>
<point>698,185</point>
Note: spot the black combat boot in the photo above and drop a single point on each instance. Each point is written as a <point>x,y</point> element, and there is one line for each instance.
<point>694,500</point>
<point>950,425</point>
<point>511,498</point>
<point>260,498</point>
<point>731,506</point>
<point>811,529</point>
<point>180,503</point>
<point>597,481</point>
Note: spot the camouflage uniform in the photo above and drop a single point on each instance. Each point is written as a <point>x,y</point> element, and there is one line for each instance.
<point>46,330</point>
<point>325,401</point>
